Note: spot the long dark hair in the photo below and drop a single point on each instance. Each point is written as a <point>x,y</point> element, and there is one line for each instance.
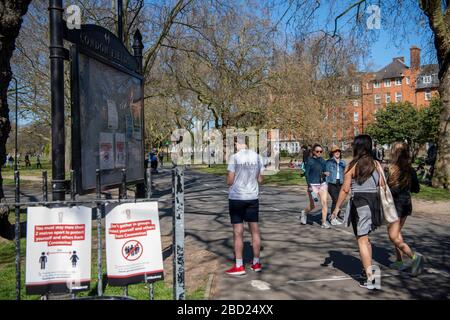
<point>362,158</point>
<point>400,167</point>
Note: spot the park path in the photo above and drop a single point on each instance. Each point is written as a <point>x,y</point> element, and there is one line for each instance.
<point>302,262</point>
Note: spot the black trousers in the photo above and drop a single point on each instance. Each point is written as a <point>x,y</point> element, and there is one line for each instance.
<point>333,190</point>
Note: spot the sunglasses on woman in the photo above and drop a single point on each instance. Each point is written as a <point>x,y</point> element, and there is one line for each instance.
<point>318,151</point>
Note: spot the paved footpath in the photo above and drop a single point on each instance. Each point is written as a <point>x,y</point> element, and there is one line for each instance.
<point>299,262</point>
<point>302,262</point>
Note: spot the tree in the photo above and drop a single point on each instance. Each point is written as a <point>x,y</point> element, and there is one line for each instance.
<point>412,13</point>
<point>403,121</point>
<point>11,13</point>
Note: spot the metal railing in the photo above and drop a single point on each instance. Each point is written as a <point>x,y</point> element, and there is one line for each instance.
<point>99,204</point>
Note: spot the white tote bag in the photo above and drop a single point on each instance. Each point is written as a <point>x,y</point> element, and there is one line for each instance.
<point>387,201</point>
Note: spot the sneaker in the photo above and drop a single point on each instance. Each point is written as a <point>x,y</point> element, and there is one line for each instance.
<point>398,265</point>
<point>234,271</point>
<point>335,222</point>
<point>367,286</point>
<point>325,225</point>
<point>256,267</point>
<point>417,265</point>
<point>303,217</point>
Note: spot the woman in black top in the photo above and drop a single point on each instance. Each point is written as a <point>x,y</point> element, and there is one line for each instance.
<point>402,180</point>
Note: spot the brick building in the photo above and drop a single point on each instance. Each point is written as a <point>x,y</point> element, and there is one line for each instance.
<point>394,82</point>
<point>370,91</point>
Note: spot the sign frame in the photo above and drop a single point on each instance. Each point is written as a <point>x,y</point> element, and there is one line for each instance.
<point>99,44</point>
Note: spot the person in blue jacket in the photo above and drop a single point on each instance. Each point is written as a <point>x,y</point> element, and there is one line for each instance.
<point>336,167</point>
<point>315,173</point>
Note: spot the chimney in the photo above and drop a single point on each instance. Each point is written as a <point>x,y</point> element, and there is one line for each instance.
<point>415,57</point>
<point>402,59</point>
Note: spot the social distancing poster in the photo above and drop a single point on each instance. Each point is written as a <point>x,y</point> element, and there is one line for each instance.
<point>58,256</point>
<point>133,243</point>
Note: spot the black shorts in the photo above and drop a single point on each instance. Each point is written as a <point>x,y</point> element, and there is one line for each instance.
<point>243,210</point>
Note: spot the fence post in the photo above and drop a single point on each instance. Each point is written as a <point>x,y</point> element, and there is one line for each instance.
<point>178,233</point>
<point>73,185</point>
<point>123,194</point>
<point>148,182</point>
<point>44,186</point>
<point>17,232</point>
<point>99,236</point>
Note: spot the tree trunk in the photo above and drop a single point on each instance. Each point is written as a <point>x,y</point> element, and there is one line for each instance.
<point>11,13</point>
<point>441,177</point>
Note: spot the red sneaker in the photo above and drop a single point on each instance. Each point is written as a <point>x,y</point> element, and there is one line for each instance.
<point>256,267</point>
<point>233,271</point>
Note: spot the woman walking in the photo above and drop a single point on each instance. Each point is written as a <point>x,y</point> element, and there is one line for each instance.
<point>402,180</point>
<point>315,172</point>
<point>336,167</point>
<point>362,179</point>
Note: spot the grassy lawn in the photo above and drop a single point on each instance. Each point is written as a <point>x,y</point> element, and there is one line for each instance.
<point>29,171</point>
<point>432,194</point>
<point>285,177</point>
<point>10,182</point>
<point>288,177</point>
<point>140,291</point>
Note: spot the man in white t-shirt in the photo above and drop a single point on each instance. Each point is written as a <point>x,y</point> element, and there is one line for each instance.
<point>244,175</point>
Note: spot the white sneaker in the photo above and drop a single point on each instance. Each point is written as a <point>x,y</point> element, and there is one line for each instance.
<point>335,222</point>
<point>303,217</point>
<point>325,225</point>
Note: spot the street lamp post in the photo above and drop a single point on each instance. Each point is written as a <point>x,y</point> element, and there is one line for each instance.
<point>57,55</point>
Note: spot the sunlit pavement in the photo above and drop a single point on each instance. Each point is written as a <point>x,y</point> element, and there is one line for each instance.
<point>303,262</point>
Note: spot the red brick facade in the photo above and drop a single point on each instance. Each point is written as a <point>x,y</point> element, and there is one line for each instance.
<point>393,83</point>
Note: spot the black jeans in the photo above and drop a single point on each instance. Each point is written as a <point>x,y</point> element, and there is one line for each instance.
<point>333,190</point>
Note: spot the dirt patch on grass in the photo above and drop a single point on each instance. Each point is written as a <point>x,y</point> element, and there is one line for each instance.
<point>199,264</point>
<point>434,210</point>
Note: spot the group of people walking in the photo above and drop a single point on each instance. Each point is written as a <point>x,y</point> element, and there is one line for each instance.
<point>10,161</point>
<point>369,185</point>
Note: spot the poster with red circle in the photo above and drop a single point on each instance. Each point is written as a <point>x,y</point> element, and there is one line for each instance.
<point>133,243</point>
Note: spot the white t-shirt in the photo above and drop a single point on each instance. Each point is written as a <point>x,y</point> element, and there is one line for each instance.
<point>246,165</point>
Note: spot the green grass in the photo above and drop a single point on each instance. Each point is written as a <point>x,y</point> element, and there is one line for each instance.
<point>29,171</point>
<point>289,177</point>
<point>432,194</point>
<point>139,291</point>
<point>285,177</point>
<point>216,169</point>
<point>11,182</point>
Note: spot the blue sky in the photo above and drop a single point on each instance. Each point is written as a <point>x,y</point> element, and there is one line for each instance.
<point>382,51</point>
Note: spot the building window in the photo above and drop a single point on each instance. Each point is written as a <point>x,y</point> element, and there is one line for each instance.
<point>355,116</point>
<point>355,103</point>
<point>398,96</point>
<point>377,98</point>
<point>387,83</point>
<point>388,98</point>
<point>428,95</point>
<point>398,81</point>
<point>407,80</point>
<point>377,84</point>
<point>355,88</point>
<point>367,85</point>
<point>427,79</point>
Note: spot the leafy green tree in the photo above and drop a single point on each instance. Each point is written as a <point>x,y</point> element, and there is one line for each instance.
<point>429,120</point>
<point>403,121</point>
